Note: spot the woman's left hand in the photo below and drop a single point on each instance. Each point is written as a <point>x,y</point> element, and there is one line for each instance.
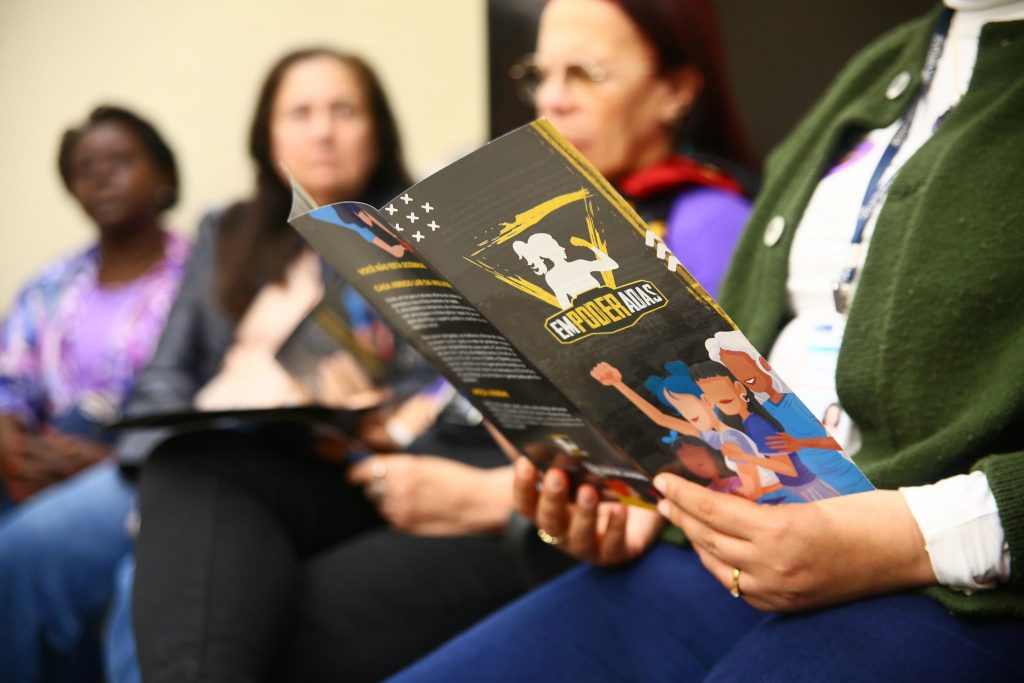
<point>432,496</point>
<point>801,556</point>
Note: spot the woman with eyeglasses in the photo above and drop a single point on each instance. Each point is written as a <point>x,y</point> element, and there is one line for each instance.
<point>639,88</point>
<point>890,222</point>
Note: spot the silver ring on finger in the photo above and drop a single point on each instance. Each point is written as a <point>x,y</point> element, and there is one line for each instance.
<point>378,486</point>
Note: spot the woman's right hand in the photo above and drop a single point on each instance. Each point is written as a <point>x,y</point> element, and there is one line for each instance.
<point>31,462</point>
<point>601,533</point>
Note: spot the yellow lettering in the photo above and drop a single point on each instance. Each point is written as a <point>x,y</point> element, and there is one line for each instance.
<point>612,306</point>
<point>575,318</point>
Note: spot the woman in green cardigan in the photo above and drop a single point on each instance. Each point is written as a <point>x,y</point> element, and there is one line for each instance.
<point>889,222</point>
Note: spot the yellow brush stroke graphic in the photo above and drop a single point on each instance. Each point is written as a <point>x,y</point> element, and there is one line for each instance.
<point>519,283</point>
<point>544,129</point>
<point>528,287</point>
<point>528,219</point>
<point>595,239</point>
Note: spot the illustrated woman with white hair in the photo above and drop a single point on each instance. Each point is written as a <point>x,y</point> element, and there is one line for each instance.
<point>803,432</point>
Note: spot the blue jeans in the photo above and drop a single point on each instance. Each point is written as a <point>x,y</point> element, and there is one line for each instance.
<point>120,662</point>
<point>664,618</point>
<point>58,555</point>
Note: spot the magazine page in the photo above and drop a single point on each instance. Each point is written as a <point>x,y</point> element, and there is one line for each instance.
<point>561,268</point>
<point>331,329</point>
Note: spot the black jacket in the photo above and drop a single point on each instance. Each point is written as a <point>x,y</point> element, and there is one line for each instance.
<point>196,337</point>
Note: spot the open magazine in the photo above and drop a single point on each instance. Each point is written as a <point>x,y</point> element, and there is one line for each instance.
<point>536,290</point>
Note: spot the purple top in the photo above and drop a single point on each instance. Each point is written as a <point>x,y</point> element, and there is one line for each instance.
<point>702,229</point>
<point>66,337</point>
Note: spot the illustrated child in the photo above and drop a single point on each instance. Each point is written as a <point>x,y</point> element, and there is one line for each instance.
<point>697,419</point>
<point>732,398</point>
<point>566,279</point>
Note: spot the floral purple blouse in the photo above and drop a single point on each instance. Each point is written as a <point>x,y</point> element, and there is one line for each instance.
<point>66,337</point>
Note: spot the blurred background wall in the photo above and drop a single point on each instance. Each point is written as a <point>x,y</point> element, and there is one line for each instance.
<point>193,67</point>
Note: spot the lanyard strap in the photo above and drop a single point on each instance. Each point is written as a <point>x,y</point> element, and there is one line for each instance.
<point>876,189</point>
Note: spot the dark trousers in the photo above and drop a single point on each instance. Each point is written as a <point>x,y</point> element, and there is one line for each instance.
<point>258,562</point>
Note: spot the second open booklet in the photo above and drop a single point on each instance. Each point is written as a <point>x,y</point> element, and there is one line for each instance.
<point>535,288</point>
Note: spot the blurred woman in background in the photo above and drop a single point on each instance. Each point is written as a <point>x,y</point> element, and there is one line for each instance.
<point>277,566</point>
<point>639,87</point>
<point>70,349</point>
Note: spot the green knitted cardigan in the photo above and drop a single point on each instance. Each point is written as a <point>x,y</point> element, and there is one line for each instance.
<point>932,362</point>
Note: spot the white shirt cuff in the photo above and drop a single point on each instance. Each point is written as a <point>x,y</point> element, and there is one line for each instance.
<point>959,520</point>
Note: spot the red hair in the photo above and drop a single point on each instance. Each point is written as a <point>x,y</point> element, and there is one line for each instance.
<point>685,33</point>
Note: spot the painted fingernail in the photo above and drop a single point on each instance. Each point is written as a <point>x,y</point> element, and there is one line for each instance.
<point>660,484</point>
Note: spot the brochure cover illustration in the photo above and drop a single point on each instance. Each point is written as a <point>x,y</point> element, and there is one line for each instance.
<point>535,289</point>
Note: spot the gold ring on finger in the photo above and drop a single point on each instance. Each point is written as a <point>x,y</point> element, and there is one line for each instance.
<point>735,590</point>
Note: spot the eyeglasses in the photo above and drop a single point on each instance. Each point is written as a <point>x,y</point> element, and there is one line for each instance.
<point>529,77</point>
